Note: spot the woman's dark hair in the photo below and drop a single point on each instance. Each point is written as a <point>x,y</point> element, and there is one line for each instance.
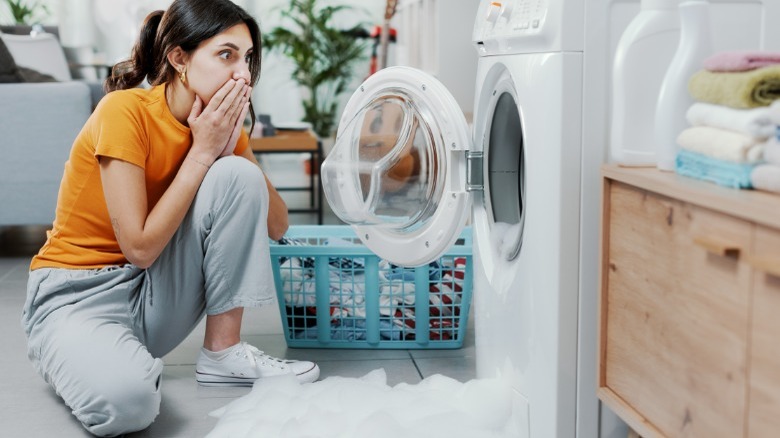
<point>185,24</point>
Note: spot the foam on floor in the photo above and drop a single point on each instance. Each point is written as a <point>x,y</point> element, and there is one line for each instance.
<point>364,407</point>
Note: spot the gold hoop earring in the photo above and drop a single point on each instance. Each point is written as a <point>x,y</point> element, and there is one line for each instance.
<point>183,75</point>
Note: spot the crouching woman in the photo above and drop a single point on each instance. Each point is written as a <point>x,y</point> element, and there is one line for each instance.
<point>163,217</point>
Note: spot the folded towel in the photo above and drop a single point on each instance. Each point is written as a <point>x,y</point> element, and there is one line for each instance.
<point>721,144</point>
<point>748,89</point>
<point>724,173</point>
<point>756,122</point>
<point>742,60</point>
<point>766,177</point>
<point>774,113</point>
<point>772,151</point>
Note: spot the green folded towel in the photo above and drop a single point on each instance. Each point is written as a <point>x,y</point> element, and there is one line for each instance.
<point>749,89</point>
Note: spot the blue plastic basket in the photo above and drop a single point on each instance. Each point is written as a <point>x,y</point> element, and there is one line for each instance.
<point>333,292</point>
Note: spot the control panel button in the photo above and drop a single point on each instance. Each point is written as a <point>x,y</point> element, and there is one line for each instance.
<point>506,10</point>
<point>493,12</point>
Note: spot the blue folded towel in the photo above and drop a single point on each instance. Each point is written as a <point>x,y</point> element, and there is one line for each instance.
<point>724,173</point>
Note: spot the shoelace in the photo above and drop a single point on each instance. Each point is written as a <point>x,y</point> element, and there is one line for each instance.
<point>256,355</point>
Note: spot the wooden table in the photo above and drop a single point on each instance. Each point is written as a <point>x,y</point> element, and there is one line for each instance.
<point>293,142</point>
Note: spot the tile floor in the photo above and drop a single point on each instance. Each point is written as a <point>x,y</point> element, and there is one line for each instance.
<point>30,409</point>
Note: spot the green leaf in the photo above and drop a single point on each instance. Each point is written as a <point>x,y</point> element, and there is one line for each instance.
<point>27,11</point>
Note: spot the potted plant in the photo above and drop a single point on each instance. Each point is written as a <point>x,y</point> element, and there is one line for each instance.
<point>27,12</point>
<point>324,57</point>
<point>27,16</point>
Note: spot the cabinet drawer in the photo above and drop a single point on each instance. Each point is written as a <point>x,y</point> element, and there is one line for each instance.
<point>764,415</point>
<point>675,306</point>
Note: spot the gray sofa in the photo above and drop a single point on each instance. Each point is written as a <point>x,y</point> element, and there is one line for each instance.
<point>38,123</point>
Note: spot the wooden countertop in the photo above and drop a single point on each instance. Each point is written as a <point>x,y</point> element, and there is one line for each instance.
<point>752,205</point>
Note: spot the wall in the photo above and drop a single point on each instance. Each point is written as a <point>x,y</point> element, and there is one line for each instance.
<point>111,28</point>
<point>435,36</point>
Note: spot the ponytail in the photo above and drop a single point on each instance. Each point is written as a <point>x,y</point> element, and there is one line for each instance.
<point>142,63</point>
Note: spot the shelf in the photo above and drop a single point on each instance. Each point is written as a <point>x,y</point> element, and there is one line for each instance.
<point>753,205</point>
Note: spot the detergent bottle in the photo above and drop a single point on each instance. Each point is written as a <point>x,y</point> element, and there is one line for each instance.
<point>675,99</point>
<point>643,55</point>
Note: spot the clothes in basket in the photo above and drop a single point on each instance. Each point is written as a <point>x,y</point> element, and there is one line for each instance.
<point>396,311</point>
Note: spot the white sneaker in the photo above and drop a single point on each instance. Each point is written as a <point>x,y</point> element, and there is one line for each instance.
<point>243,364</point>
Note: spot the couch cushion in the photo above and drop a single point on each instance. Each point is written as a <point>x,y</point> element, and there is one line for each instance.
<point>30,75</point>
<point>10,72</point>
<point>38,123</point>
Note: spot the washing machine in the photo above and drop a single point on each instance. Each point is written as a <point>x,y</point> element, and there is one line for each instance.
<point>407,172</point>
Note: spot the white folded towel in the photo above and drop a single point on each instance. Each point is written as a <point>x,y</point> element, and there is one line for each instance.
<point>756,122</point>
<point>722,144</point>
<point>766,177</point>
<point>774,112</point>
<point>772,151</point>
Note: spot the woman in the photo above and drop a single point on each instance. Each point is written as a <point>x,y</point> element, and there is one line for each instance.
<point>163,216</point>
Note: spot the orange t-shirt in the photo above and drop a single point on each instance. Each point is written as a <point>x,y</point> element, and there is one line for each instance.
<point>133,125</point>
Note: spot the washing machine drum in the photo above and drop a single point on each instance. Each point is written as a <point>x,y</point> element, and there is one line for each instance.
<point>396,171</point>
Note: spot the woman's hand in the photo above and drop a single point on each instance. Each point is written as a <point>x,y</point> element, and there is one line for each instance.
<point>216,127</point>
<point>231,144</point>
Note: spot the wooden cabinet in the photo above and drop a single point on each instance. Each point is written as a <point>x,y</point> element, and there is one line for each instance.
<point>764,401</point>
<point>689,333</point>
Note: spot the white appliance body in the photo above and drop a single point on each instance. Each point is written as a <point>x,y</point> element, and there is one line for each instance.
<point>526,309</point>
<point>539,329</point>
<point>541,125</point>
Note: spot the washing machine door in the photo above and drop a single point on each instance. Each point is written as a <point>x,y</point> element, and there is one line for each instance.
<point>397,171</point>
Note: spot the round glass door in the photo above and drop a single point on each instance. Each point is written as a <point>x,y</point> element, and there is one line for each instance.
<point>397,169</point>
<point>393,155</point>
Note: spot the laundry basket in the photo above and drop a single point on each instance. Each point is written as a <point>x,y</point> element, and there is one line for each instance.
<point>333,292</point>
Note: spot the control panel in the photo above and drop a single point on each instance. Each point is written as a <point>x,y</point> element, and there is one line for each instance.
<point>512,16</point>
<point>528,26</point>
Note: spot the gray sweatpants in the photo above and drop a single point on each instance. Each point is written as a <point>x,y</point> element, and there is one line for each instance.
<point>96,335</point>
